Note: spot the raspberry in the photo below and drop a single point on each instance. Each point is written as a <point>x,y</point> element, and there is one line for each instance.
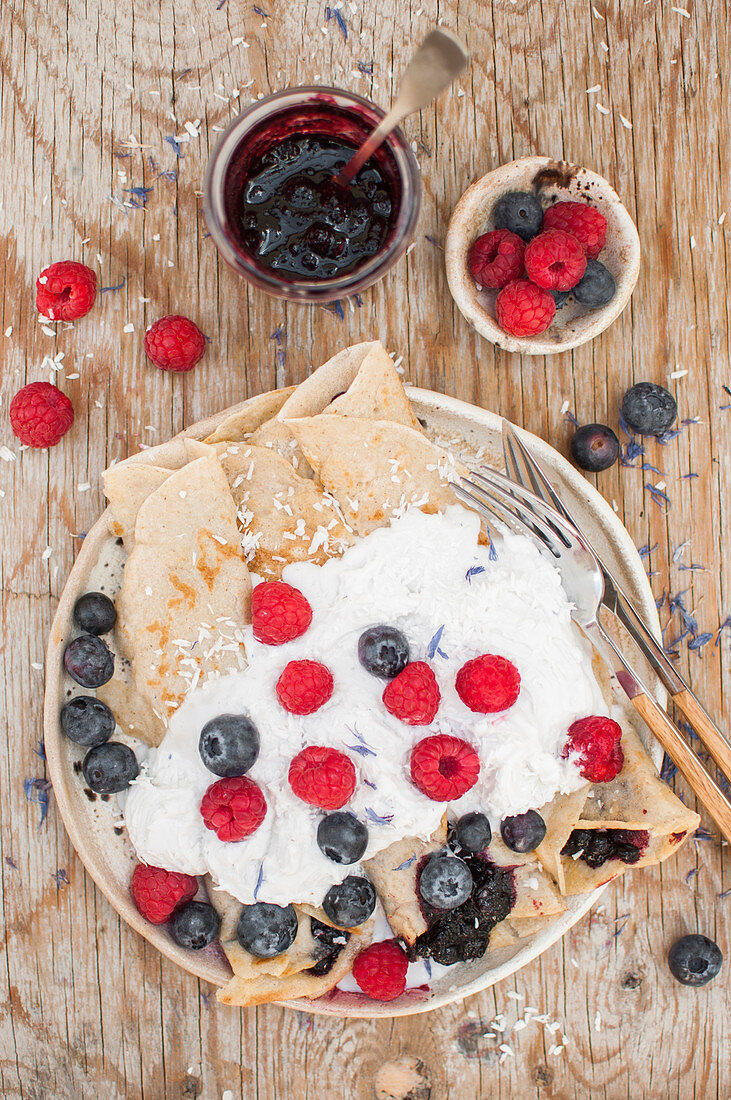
<point>413,695</point>
<point>523,309</point>
<point>380,970</point>
<point>65,291</point>
<point>174,343</point>
<point>322,777</point>
<point>233,808</point>
<point>496,258</point>
<point>279,612</point>
<point>158,893</point>
<point>444,767</point>
<point>555,260</point>
<point>40,414</point>
<point>582,221</point>
<point>488,684</point>
<point>304,686</point>
<point>594,745</point>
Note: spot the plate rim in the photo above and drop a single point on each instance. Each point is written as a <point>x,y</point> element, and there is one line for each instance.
<point>205,967</point>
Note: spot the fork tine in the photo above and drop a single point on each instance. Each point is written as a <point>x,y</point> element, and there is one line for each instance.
<point>487,502</point>
<point>491,511</point>
<point>525,470</point>
<point>519,496</point>
<point>530,521</point>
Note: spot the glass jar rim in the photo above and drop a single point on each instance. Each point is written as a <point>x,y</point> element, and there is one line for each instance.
<point>322,290</point>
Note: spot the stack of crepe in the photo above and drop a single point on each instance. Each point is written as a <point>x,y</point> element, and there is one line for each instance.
<point>295,476</point>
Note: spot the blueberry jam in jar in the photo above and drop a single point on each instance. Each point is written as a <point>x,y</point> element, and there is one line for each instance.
<point>276,213</point>
<point>295,220</point>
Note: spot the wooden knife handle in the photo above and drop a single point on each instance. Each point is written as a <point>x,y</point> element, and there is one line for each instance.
<point>688,763</point>
<point>707,729</point>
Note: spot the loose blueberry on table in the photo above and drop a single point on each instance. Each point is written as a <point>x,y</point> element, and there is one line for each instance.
<point>648,409</point>
<point>594,447</point>
<point>695,960</point>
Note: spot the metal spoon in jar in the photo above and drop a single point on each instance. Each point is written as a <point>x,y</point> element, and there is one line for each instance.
<point>439,60</point>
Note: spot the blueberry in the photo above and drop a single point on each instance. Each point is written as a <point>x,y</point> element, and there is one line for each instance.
<point>266,930</point>
<point>649,409</point>
<point>559,297</point>
<point>87,721</point>
<point>594,447</point>
<point>520,212</point>
<point>110,768</point>
<point>342,838</point>
<point>94,613</point>
<point>229,744</point>
<point>323,241</point>
<point>384,651</point>
<point>88,661</point>
<point>350,902</point>
<point>473,832</point>
<point>445,882</point>
<point>524,832</point>
<point>195,925</point>
<point>302,196</point>
<point>694,960</point>
<point>596,287</point>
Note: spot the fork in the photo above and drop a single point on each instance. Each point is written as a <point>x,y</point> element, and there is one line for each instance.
<point>524,469</point>
<point>494,496</point>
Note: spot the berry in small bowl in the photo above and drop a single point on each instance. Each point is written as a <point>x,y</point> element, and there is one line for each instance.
<point>579,247</point>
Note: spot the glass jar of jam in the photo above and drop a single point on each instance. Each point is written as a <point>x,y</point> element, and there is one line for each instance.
<point>277,215</point>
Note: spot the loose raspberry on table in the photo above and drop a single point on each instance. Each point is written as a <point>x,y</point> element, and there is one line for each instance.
<point>380,970</point>
<point>524,309</point>
<point>413,695</point>
<point>40,415</point>
<point>488,684</point>
<point>555,260</point>
<point>158,893</point>
<point>444,767</point>
<point>322,776</point>
<point>174,343</point>
<point>304,686</point>
<point>582,221</point>
<point>233,808</point>
<point>279,612</point>
<point>65,291</point>
<point>594,745</point>
<point>495,258</point>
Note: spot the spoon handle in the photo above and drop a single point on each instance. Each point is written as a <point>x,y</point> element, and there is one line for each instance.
<point>369,146</point>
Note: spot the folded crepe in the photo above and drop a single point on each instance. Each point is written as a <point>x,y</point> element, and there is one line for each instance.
<point>393,873</point>
<point>636,801</point>
<point>282,517</point>
<point>246,420</point>
<point>186,590</point>
<point>288,975</point>
<point>376,468</point>
<point>376,393</point>
<point>126,486</point>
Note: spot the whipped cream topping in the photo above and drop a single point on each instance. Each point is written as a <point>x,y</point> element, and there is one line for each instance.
<point>453,599</point>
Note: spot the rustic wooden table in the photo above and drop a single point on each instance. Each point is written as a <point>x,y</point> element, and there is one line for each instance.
<point>109,112</point>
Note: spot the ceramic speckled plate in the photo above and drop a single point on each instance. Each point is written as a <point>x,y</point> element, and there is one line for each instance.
<point>94,825</point>
<point>552,181</point>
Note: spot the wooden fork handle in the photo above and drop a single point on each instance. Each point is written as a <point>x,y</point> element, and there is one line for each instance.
<point>688,763</point>
<point>707,729</point>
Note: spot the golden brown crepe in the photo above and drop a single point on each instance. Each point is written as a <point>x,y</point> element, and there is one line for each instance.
<point>186,588</point>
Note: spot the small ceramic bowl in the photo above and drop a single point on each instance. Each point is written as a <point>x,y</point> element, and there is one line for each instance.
<point>553,181</point>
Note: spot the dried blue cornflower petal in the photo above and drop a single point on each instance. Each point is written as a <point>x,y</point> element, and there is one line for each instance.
<point>473,571</point>
<point>61,878</point>
<point>376,818</point>
<point>700,641</point>
<point>657,495</point>
<point>434,643</point>
<point>406,863</point>
<point>333,13</point>
<point>646,550</point>
<point>689,477</point>
<point>119,286</point>
<point>725,625</point>
<point>669,768</point>
<point>630,451</point>
<point>362,750</point>
<point>175,145</point>
<point>571,418</point>
<point>432,240</point>
<point>139,193</point>
<point>654,469</point>
<point>261,12</point>
<point>36,790</point>
<point>278,334</point>
<point>11,862</point>
<point>259,880</point>
<point>668,437</point>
